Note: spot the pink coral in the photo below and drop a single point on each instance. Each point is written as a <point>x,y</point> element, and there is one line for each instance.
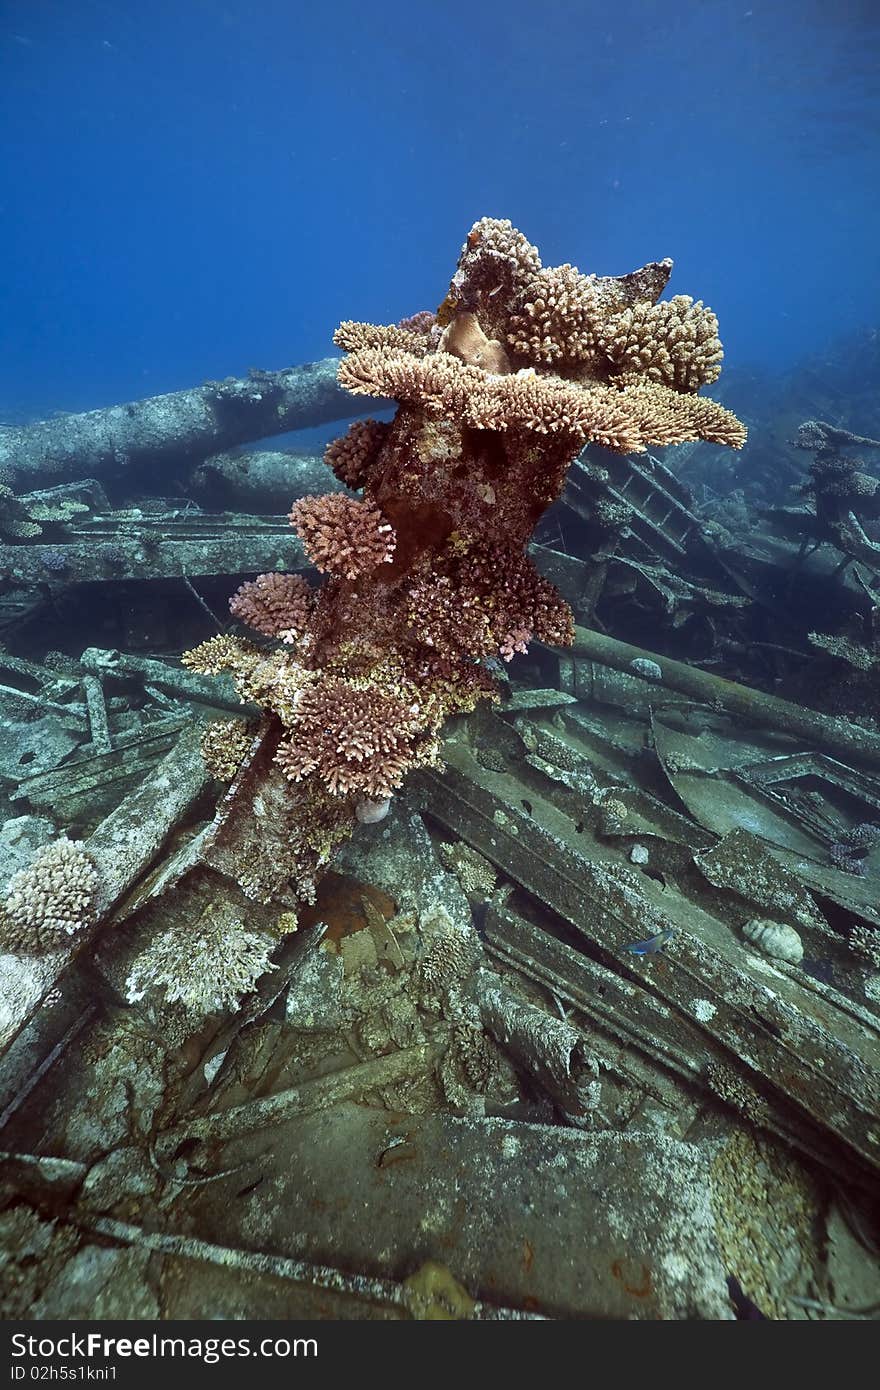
<point>343,536</point>
<point>356,740</point>
<point>351,455</point>
<point>421,322</point>
<point>521,366</point>
<point>277,605</point>
<point>492,603</point>
<point>448,618</point>
<point>527,604</point>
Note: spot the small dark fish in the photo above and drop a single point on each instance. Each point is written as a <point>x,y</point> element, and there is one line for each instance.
<point>480,912</point>
<point>653,943</point>
<point>822,970</point>
<point>745,1309</point>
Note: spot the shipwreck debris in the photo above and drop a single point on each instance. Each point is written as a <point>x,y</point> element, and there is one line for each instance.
<point>162,432</point>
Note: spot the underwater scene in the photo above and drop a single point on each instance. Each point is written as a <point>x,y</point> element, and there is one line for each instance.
<point>439,683</point>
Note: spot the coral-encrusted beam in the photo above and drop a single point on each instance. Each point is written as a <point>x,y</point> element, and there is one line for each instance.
<point>427,574</point>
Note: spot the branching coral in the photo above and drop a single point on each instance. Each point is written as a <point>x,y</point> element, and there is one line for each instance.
<point>444,385</point>
<point>351,455</point>
<point>15,521</point>
<point>492,603</point>
<point>357,740</point>
<point>270,678</point>
<point>358,337</point>
<point>49,901</point>
<point>638,413</point>
<point>449,956</point>
<point>675,342</point>
<point>423,321</point>
<point>22,518</point>
<point>475,874</point>
<point>663,416</point>
<point>205,968</point>
<point>559,319</point>
<point>222,654</point>
<point>496,259</point>
<point>428,575</point>
<point>277,605</point>
<point>865,941</point>
<point>224,744</point>
<point>343,536</point>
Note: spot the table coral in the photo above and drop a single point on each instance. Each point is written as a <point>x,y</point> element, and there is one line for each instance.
<point>428,575</point>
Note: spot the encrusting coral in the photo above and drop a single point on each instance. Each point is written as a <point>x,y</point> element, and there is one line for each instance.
<point>50,901</point>
<point>427,574</point>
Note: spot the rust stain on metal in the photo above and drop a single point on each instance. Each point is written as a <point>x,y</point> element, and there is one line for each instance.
<point>622,1271</point>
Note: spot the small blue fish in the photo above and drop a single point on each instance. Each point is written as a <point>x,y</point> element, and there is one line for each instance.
<point>653,943</point>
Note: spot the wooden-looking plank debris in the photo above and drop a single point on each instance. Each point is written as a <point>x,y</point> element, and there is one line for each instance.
<point>215,692</point>
<point>122,848</point>
<point>761,710</point>
<point>825,1063</point>
<point>627,1023</point>
<point>70,791</point>
<point>120,547</point>
<point>100,729</point>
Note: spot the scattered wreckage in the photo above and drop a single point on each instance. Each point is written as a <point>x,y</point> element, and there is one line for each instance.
<point>568,825</point>
<point>613,967</point>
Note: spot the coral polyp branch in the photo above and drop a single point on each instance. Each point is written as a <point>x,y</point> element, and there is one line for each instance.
<point>277,605</point>
<point>427,575</point>
<point>356,740</point>
<point>341,535</point>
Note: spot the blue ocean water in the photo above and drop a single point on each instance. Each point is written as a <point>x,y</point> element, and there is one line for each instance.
<point>195,187</point>
<point>192,187</point>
